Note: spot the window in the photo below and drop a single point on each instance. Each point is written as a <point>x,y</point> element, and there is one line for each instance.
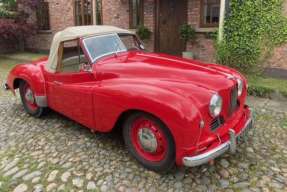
<point>84,12</point>
<point>210,11</point>
<point>43,19</point>
<point>72,57</point>
<point>136,13</point>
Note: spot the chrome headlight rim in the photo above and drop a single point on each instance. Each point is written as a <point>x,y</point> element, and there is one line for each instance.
<point>239,86</point>
<point>215,105</point>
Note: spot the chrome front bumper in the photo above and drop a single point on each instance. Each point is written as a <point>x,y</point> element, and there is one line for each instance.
<point>230,145</point>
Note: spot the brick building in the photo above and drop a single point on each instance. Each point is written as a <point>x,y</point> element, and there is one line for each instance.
<point>163,17</point>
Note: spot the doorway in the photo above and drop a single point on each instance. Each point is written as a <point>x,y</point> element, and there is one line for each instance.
<point>170,16</point>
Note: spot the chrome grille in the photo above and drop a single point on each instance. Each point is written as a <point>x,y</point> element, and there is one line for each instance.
<point>233,100</point>
<point>216,123</point>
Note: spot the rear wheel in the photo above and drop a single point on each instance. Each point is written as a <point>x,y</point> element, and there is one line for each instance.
<point>28,100</point>
<point>150,142</point>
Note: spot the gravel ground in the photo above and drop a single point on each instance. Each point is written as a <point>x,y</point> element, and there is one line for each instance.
<point>56,154</point>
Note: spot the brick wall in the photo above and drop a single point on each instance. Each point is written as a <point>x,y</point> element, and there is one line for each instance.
<point>116,13</point>
<point>203,48</point>
<point>61,16</point>
<point>193,13</point>
<point>149,22</point>
<point>279,57</point>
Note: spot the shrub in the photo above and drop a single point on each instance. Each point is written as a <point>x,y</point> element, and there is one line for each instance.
<point>187,33</point>
<point>13,23</point>
<point>251,31</point>
<point>143,32</point>
<point>13,31</point>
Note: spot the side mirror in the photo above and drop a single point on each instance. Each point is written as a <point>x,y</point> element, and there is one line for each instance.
<point>86,67</point>
<point>142,46</point>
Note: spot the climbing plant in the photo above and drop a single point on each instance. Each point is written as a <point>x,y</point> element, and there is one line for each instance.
<point>252,29</point>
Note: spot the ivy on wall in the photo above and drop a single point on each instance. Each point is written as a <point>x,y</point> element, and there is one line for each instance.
<point>251,31</point>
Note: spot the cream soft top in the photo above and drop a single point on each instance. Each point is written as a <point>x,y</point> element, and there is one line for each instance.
<point>72,33</point>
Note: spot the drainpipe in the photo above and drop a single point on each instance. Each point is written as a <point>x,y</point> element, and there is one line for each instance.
<point>94,12</point>
<point>221,20</point>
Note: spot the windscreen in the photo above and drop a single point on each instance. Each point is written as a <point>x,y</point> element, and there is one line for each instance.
<point>99,46</point>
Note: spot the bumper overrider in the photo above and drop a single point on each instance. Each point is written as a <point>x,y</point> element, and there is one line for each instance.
<point>230,145</point>
<point>5,86</point>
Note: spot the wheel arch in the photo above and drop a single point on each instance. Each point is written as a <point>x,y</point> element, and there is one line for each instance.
<point>33,75</point>
<point>17,81</point>
<point>41,100</point>
<point>125,114</point>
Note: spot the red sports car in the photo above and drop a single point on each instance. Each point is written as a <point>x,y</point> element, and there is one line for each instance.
<point>171,110</point>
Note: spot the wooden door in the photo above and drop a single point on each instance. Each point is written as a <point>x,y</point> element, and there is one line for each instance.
<point>171,15</point>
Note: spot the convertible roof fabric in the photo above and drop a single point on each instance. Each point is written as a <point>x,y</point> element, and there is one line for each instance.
<point>72,33</point>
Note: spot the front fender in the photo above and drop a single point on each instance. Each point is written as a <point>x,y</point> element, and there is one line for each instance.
<point>179,113</point>
<point>30,73</point>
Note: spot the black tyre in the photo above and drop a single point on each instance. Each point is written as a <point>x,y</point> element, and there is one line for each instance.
<point>28,100</point>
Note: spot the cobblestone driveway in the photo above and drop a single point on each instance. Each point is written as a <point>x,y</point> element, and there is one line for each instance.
<point>56,154</point>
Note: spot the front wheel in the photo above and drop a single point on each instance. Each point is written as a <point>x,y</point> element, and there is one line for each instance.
<point>28,100</point>
<point>149,141</point>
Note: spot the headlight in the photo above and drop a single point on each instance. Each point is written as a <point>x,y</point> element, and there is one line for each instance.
<point>239,86</point>
<point>215,105</point>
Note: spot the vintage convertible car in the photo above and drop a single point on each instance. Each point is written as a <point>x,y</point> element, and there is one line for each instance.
<point>171,110</point>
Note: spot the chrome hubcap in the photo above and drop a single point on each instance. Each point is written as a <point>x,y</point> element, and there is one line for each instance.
<point>29,96</point>
<point>147,140</point>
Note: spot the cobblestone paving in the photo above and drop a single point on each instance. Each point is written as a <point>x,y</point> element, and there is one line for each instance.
<point>56,154</point>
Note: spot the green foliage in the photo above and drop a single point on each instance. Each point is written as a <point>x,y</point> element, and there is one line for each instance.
<point>7,9</point>
<point>252,30</point>
<point>8,4</point>
<point>265,87</point>
<point>260,91</point>
<point>187,33</point>
<point>7,14</point>
<point>143,32</point>
<point>211,35</point>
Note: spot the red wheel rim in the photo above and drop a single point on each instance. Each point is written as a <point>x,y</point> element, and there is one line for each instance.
<point>147,148</point>
<point>29,98</point>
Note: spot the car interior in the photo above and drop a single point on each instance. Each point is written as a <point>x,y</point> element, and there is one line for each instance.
<point>73,57</point>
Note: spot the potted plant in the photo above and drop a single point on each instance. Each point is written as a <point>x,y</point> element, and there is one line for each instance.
<point>143,32</point>
<point>187,34</point>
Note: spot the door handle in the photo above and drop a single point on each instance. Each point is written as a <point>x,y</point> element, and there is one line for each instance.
<point>58,83</point>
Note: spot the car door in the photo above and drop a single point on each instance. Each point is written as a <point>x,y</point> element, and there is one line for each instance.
<point>70,89</point>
